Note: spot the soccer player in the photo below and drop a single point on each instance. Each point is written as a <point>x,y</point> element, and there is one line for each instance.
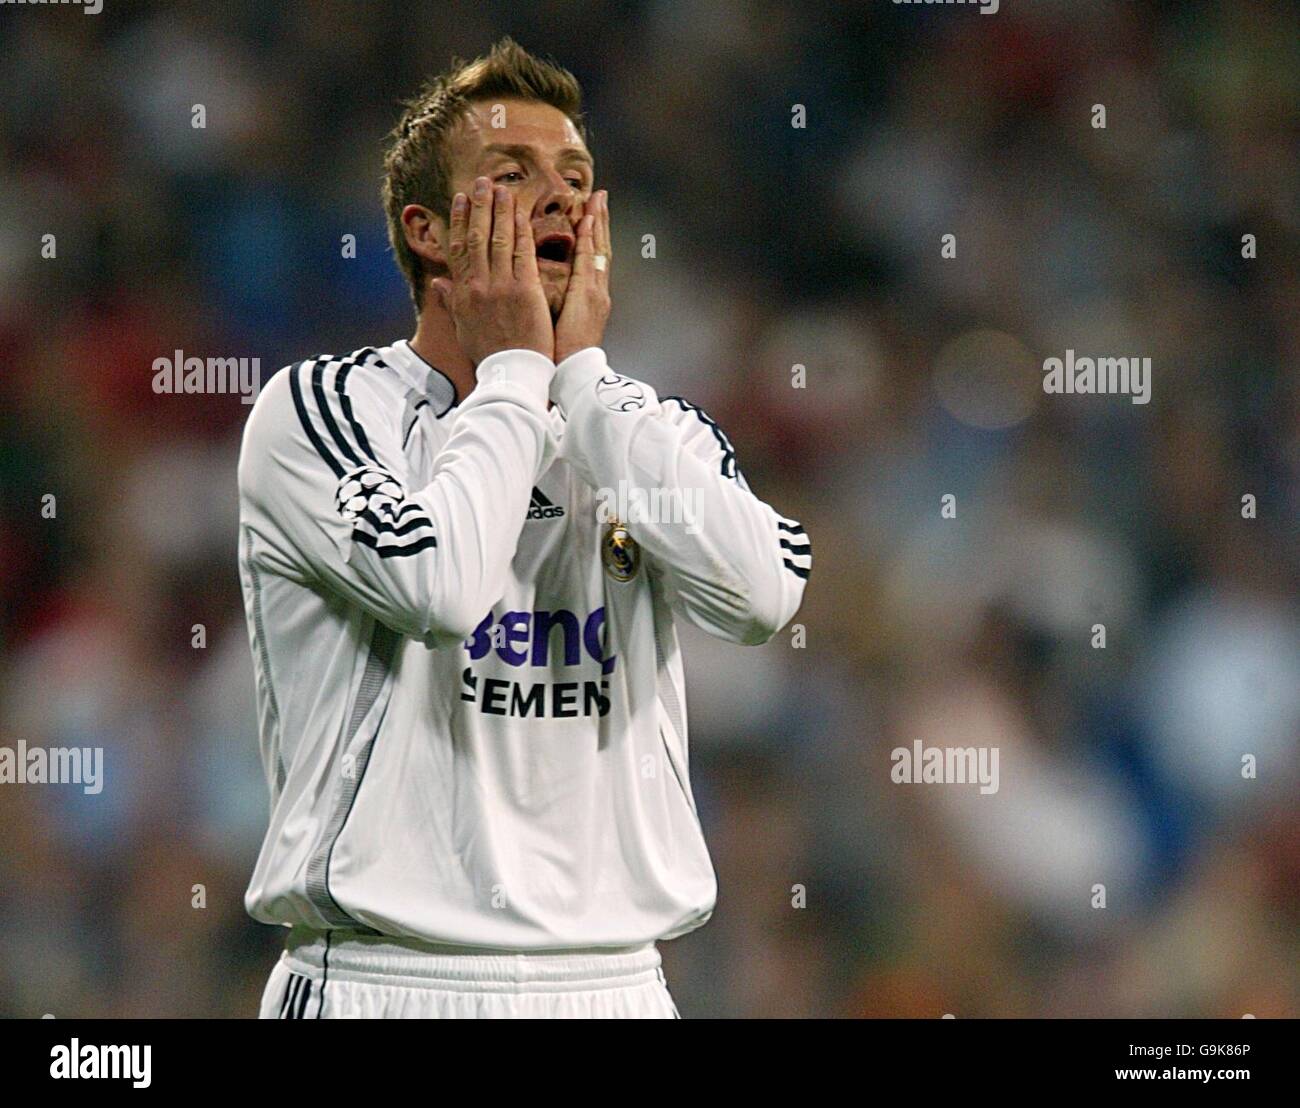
<point>462,557</point>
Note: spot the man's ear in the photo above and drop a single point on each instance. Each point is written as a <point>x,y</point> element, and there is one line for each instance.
<point>426,233</point>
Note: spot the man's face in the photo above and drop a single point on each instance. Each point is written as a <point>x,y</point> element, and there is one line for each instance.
<point>535,151</point>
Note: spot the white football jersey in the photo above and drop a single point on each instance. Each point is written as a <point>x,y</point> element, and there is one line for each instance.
<point>470,693</point>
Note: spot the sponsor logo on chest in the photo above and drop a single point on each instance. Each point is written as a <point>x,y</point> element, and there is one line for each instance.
<point>550,640</point>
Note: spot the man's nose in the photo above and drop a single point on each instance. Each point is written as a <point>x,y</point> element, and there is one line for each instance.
<point>556,196</point>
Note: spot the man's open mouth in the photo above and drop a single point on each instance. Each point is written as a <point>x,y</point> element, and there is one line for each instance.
<point>555,247</point>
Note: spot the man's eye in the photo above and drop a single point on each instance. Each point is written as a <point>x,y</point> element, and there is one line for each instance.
<point>576,182</point>
<point>510,173</point>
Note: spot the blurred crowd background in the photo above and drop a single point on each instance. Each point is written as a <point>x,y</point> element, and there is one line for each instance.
<point>775,246</point>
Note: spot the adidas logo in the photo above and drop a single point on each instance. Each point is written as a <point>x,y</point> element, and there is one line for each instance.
<point>542,508</point>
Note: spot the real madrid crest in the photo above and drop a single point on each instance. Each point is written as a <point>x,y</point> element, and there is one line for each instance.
<point>619,552</point>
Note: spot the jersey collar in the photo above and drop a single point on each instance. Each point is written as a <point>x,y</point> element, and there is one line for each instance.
<point>423,376</point>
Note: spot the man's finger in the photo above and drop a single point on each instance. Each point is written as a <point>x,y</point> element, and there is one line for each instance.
<point>503,233</point>
<point>603,243</point>
<point>480,229</point>
<point>525,261</point>
<point>457,255</point>
<point>584,255</point>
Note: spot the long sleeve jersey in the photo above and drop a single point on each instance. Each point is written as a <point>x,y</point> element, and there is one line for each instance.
<point>471,701</point>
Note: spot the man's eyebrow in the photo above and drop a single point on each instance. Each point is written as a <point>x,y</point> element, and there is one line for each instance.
<point>523,151</point>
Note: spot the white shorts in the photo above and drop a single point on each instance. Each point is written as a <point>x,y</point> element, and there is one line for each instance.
<point>346,975</point>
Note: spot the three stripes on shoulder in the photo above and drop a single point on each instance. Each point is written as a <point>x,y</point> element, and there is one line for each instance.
<point>368,496</point>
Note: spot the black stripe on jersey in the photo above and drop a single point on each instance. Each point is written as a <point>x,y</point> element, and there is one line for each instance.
<point>296,995</point>
<point>318,365</point>
<point>345,402</point>
<point>797,549</point>
<point>728,451</point>
<point>390,527</point>
<point>380,538</point>
<point>367,539</point>
<point>288,992</point>
<point>323,404</point>
<point>414,421</point>
<point>293,991</point>
<point>325,974</point>
<point>296,388</point>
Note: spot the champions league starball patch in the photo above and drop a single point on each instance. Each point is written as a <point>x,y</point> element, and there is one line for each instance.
<point>368,490</point>
<point>620,553</point>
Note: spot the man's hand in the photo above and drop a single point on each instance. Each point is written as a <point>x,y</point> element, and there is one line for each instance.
<point>586,301</point>
<point>494,295</point>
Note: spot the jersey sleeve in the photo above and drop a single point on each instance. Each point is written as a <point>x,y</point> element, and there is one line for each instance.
<point>325,489</point>
<point>728,561</point>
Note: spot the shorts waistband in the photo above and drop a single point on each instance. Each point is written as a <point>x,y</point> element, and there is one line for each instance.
<point>360,955</point>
